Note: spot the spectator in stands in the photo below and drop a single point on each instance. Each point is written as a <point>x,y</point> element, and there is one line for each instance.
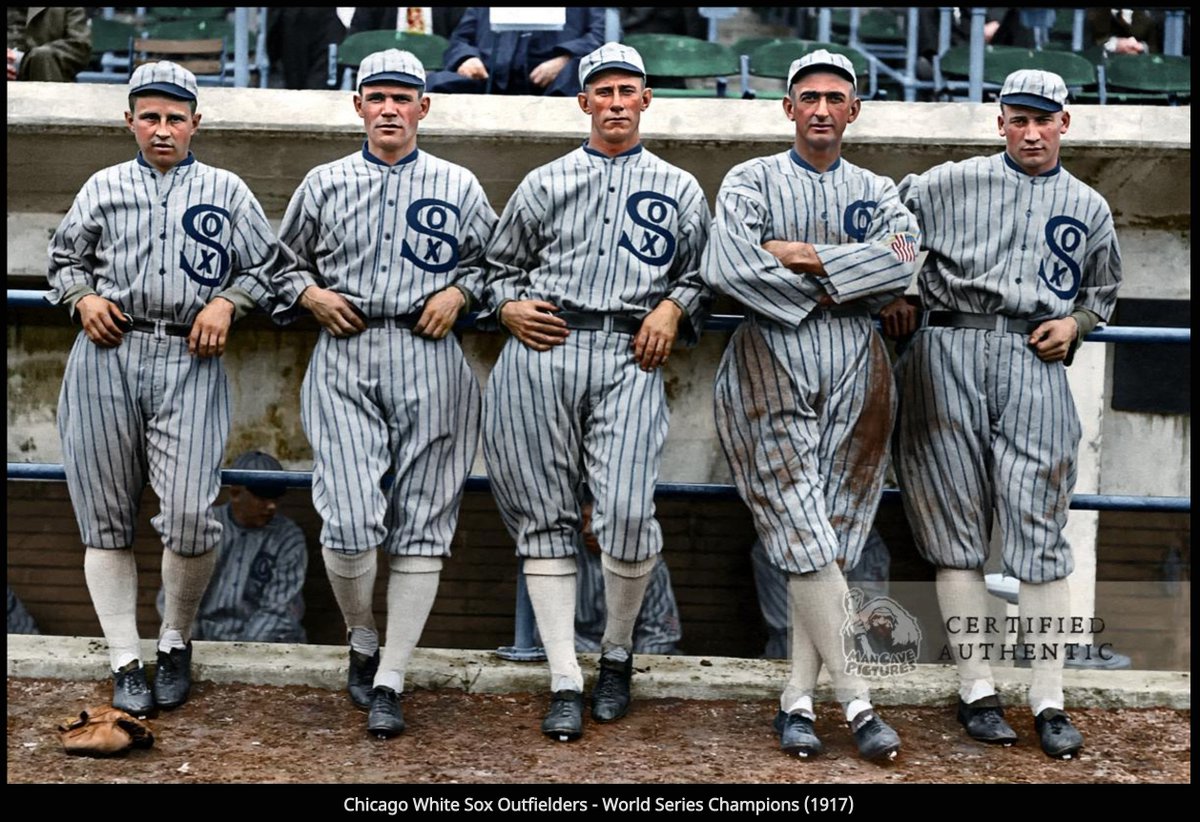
<point>49,44</point>
<point>439,20</point>
<point>298,41</point>
<point>482,61</point>
<point>256,590</point>
<point>1126,31</point>
<point>20,621</point>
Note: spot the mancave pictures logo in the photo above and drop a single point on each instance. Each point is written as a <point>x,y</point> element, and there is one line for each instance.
<point>880,638</point>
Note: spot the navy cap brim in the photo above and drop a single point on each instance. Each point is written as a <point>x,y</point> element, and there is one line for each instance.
<point>828,68</point>
<point>393,77</point>
<point>266,490</point>
<point>629,67</point>
<point>1030,101</point>
<point>169,89</point>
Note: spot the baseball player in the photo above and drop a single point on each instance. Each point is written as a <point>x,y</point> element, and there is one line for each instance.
<point>811,244</point>
<point>1023,263</point>
<point>257,589</point>
<point>593,269</point>
<point>156,258</point>
<point>388,245</point>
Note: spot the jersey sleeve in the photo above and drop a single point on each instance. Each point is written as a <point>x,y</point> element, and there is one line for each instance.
<point>688,289</point>
<point>255,250</point>
<point>883,264</point>
<point>510,256</point>
<point>1101,270</point>
<point>735,262</point>
<point>72,249</point>
<point>478,227</point>
<point>281,607</point>
<point>296,267</point>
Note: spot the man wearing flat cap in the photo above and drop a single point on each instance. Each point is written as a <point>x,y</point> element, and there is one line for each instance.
<point>386,251</point>
<point>593,271</point>
<point>1023,262</point>
<point>811,245</point>
<point>155,259</point>
<point>256,592</point>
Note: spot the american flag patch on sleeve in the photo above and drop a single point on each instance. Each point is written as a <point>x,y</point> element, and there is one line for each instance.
<point>904,247</point>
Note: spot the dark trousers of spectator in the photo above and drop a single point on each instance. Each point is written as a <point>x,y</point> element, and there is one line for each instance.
<point>299,42</point>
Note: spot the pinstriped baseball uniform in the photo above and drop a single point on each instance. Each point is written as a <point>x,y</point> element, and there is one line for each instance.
<point>386,238</point>
<point>657,630</point>
<point>255,594</point>
<point>161,247</point>
<point>803,396</point>
<point>593,234</point>
<point>983,421</point>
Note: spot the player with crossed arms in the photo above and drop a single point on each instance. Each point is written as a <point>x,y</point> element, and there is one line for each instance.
<point>804,401</point>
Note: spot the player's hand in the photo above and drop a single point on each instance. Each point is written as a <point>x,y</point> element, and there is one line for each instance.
<point>1052,340</point>
<point>652,344</point>
<point>439,314</point>
<point>533,323</point>
<point>473,69</point>
<point>333,311</point>
<point>210,330</point>
<point>101,320</point>
<point>795,256</point>
<point>545,73</point>
<point>1128,45</point>
<point>898,318</point>
<point>12,65</point>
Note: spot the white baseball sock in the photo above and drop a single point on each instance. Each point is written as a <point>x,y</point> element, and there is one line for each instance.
<point>806,665</point>
<point>551,586</point>
<point>412,588</point>
<point>962,597</point>
<point>184,580</point>
<point>625,586</point>
<point>112,582</point>
<point>352,578</point>
<point>1044,609</point>
<point>818,607</point>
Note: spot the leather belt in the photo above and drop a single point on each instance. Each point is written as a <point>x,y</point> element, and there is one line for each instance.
<point>835,312</point>
<point>985,322</point>
<point>596,321</point>
<point>151,326</point>
<point>403,321</point>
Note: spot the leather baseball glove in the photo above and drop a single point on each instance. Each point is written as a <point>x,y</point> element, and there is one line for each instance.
<point>104,732</point>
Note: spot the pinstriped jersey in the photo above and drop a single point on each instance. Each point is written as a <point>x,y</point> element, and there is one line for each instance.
<point>256,591</point>
<point>161,246</point>
<point>385,237</point>
<point>865,238</point>
<point>1001,241</point>
<point>594,233</point>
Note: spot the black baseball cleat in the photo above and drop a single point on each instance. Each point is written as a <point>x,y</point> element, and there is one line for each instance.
<point>386,717</point>
<point>610,697</point>
<point>564,720</point>
<point>360,680</point>
<point>1060,739</point>
<point>797,734</point>
<point>984,721</point>
<point>131,691</point>
<point>876,739</point>
<point>173,677</point>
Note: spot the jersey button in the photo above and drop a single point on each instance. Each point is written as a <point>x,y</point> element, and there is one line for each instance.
<point>391,202</point>
<point>1029,212</point>
<point>387,236</point>
<point>162,271</point>
<point>1018,279</point>
<point>1024,248</point>
<point>610,188</point>
<point>602,252</point>
<point>607,220</point>
<point>162,236</point>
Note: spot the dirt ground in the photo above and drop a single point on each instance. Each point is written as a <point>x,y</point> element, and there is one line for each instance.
<point>262,734</point>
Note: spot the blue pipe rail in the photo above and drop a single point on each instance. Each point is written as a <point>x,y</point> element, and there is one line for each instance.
<point>30,298</point>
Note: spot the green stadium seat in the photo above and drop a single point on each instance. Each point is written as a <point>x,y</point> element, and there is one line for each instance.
<point>686,58</point>
<point>428,48</point>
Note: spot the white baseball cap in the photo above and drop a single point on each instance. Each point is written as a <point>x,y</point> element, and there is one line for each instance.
<point>611,56</point>
<point>825,60</point>
<point>391,66</point>
<point>163,77</point>
<point>1034,88</point>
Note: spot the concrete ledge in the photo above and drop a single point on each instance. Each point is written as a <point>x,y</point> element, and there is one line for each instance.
<point>682,677</point>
